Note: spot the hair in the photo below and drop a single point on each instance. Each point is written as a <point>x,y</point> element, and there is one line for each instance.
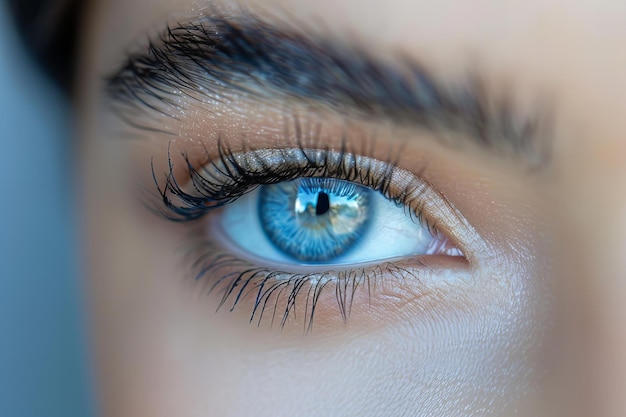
<point>48,30</point>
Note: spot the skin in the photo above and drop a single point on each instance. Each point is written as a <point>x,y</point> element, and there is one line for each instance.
<point>532,327</point>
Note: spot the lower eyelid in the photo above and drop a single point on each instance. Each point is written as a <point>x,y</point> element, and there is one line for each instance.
<point>269,298</point>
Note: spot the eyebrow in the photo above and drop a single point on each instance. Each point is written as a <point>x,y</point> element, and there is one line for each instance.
<point>210,56</point>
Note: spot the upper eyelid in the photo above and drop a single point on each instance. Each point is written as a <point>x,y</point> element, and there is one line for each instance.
<point>214,54</point>
<point>384,177</point>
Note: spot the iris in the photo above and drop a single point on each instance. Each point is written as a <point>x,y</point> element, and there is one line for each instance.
<point>315,219</point>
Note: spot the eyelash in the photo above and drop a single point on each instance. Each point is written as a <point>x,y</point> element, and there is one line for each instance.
<point>207,60</point>
<point>229,176</point>
<point>268,286</point>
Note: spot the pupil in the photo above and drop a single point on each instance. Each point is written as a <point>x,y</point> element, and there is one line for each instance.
<point>323,204</point>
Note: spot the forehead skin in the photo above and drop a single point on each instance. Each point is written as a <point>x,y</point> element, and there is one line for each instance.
<point>570,51</point>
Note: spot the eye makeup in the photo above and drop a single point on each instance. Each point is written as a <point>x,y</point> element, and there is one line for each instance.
<point>295,291</point>
<point>232,130</point>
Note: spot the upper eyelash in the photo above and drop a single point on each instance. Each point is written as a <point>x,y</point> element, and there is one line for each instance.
<point>229,176</point>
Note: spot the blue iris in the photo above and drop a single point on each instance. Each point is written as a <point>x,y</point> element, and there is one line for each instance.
<point>315,219</point>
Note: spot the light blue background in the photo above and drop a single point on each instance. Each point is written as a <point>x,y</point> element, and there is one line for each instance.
<point>43,366</point>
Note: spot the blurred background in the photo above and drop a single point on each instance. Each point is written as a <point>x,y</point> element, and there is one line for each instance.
<point>43,361</point>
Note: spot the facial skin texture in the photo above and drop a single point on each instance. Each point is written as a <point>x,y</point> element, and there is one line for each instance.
<point>533,327</point>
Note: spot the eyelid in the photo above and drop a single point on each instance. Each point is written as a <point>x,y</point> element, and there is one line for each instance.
<point>223,179</point>
<point>389,291</point>
<point>409,283</point>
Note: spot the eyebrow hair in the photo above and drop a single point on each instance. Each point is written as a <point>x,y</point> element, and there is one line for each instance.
<point>207,57</point>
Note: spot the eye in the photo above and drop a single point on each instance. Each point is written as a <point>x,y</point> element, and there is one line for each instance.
<point>324,221</point>
<point>298,233</point>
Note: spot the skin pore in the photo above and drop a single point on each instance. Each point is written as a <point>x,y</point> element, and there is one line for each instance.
<point>528,322</point>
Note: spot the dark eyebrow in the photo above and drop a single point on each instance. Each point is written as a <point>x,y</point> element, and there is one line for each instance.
<point>215,54</point>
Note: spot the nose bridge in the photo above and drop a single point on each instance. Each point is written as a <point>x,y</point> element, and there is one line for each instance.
<point>590,258</point>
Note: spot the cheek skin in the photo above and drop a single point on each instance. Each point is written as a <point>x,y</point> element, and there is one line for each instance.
<point>164,352</point>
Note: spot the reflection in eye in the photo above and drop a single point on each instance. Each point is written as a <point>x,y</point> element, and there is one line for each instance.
<point>287,225</point>
<point>324,220</point>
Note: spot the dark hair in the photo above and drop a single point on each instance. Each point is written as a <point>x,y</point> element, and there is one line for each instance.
<point>48,29</point>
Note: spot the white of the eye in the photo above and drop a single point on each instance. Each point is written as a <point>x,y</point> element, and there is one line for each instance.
<point>392,233</point>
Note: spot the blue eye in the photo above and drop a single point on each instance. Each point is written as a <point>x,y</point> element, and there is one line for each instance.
<point>315,219</point>
<point>322,221</point>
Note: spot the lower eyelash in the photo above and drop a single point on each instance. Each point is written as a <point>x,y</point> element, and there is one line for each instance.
<point>276,293</point>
